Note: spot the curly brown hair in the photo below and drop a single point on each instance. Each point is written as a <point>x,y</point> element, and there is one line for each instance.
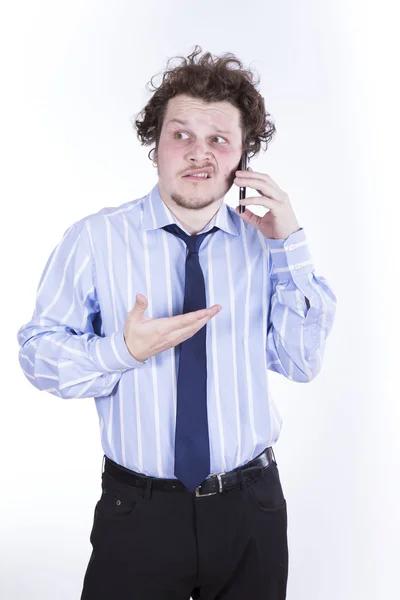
<point>211,80</point>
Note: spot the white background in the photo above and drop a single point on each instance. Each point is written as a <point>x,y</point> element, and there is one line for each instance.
<point>73,75</point>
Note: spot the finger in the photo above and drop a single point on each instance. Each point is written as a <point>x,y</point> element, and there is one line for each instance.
<point>181,321</point>
<point>258,200</point>
<point>249,173</point>
<point>202,316</point>
<point>247,179</point>
<point>208,312</point>
<point>267,191</point>
<point>251,218</point>
<point>196,321</point>
<point>253,182</point>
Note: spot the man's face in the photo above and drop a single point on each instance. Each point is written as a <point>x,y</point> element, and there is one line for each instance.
<point>210,136</point>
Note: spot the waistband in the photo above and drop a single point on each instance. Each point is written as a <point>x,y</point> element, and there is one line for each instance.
<point>214,484</point>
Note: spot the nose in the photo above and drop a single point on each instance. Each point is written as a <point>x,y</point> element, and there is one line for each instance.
<point>199,153</point>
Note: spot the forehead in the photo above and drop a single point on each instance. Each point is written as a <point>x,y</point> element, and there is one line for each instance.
<point>184,110</point>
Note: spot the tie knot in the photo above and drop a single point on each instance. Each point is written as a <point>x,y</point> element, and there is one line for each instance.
<point>193,242</point>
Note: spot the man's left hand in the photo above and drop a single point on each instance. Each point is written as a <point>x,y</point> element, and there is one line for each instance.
<point>280,221</point>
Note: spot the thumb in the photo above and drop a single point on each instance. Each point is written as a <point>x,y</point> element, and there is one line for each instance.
<point>140,305</point>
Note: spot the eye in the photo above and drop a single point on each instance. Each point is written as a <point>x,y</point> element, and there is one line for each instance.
<point>214,136</point>
<point>178,132</point>
<point>218,136</point>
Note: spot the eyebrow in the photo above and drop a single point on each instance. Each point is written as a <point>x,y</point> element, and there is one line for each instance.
<point>186,122</point>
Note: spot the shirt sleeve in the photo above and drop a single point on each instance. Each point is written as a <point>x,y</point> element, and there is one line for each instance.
<point>302,309</point>
<point>59,350</point>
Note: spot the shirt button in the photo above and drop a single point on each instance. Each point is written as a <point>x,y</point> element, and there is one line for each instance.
<point>292,246</point>
<point>297,266</point>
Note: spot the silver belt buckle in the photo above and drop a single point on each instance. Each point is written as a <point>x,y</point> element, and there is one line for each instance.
<point>218,476</point>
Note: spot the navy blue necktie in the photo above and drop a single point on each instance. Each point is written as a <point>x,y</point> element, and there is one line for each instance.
<point>192,447</point>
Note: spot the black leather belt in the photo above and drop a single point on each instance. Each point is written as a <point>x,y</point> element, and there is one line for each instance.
<point>215,484</point>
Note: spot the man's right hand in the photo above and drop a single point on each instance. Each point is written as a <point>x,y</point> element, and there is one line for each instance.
<point>145,337</point>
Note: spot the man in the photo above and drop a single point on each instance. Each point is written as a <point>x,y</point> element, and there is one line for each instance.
<point>192,504</point>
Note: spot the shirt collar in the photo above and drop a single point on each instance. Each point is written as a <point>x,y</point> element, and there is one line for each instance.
<point>156,215</point>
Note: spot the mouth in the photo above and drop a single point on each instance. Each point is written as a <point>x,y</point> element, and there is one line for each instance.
<point>196,178</point>
<point>203,173</point>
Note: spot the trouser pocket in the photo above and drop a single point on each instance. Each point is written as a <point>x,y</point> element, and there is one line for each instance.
<point>266,491</point>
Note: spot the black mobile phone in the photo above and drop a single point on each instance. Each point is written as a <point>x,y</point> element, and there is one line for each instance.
<point>242,190</point>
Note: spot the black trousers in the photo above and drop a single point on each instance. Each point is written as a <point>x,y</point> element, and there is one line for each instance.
<point>162,545</point>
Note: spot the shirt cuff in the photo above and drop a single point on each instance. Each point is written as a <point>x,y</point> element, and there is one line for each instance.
<point>290,257</point>
<point>111,354</point>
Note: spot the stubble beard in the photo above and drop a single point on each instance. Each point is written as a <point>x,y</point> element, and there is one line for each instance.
<point>198,202</point>
<point>192,202</point>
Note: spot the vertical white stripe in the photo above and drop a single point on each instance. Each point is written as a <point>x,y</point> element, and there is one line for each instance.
<point>153,359</point>
<point>89,233</point>
<point>214,346</point>
<point>121,399</point>
<point>322,338</point>
<point>136,376</point>
<point>232,307</point>
<point>56,251</point>
<point>112,292</point>
<point>282,331</point>
<point>121,395</point>
<point>306,367</point>
<point>264,312</point>
<point>271,333</point>
<point>138,421</point>
<point>167,270</point>
<point>274,416</point>
<point>61,286</point>
<point>249,383</point>
<point>81,269</point>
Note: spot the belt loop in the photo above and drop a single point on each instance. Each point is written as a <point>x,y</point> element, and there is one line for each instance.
<point>147,492</point>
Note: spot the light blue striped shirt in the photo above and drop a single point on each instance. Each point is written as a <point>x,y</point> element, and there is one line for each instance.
<point>276,314</point>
